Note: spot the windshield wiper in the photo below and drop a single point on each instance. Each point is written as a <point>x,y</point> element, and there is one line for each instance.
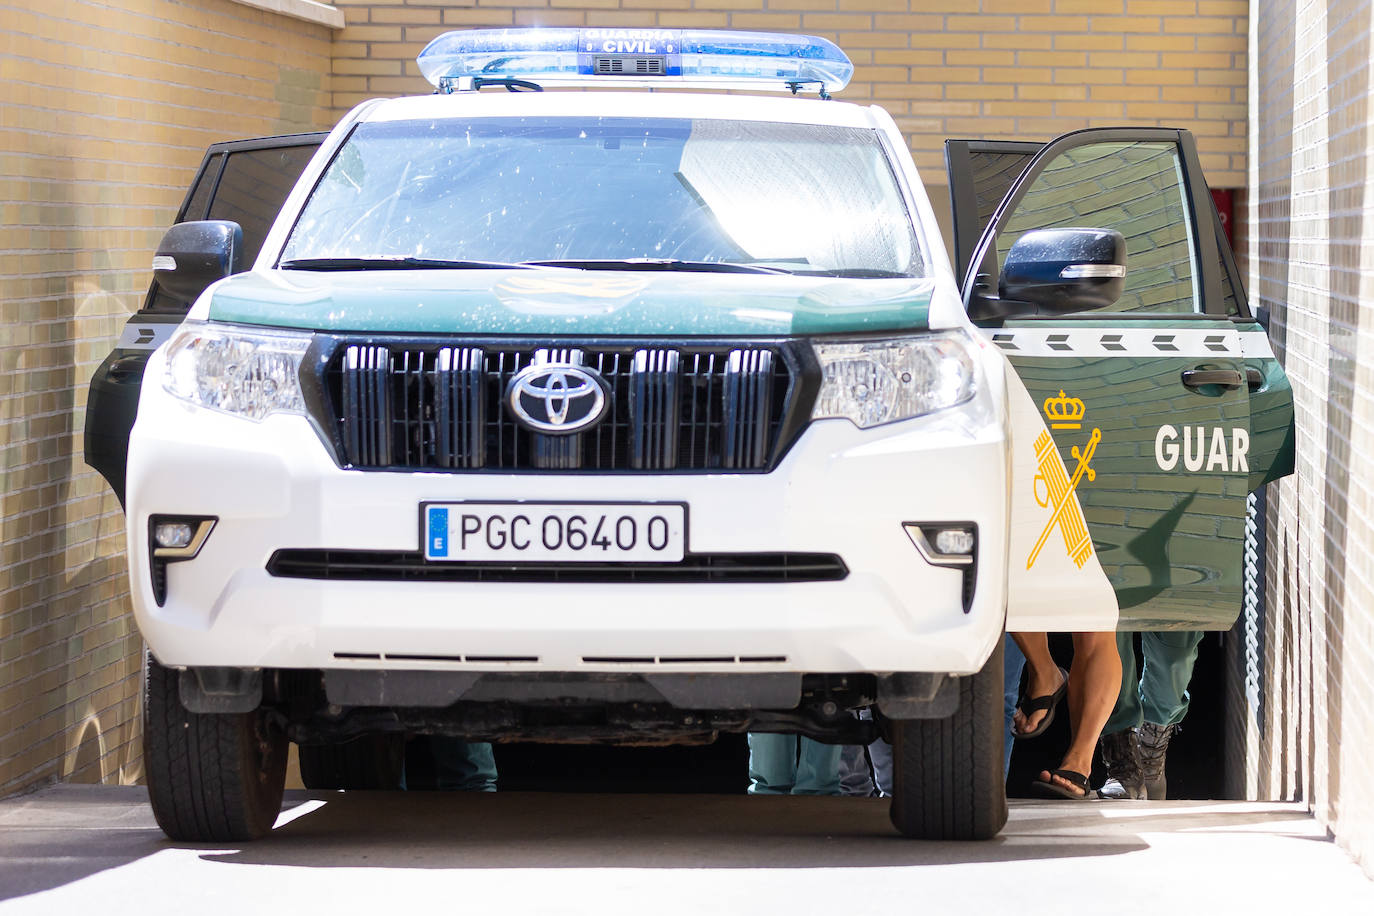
<point>856,273</point>
<point>724,267</point>
<point>398,263</point>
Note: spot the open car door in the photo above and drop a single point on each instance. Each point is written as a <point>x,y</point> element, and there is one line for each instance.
<point>1140,420</point>
<point>241,180</point>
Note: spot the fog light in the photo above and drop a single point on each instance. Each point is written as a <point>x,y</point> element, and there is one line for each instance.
<point>954,541</point>
<point>952,546</point>
<point>173,534</point>
<point>174,539</point>
<point>943,544</point>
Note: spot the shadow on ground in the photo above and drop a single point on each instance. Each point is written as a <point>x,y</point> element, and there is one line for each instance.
<point>68,833</point>
<point>537,830</point>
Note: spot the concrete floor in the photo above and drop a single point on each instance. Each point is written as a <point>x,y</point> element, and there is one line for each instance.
<point>75,849</point>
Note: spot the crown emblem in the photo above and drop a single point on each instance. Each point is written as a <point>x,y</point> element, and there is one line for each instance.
<point>1065,412</point>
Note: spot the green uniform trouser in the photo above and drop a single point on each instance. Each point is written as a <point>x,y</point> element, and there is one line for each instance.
<point>464,766</point>
<point>792,765</point>
<point>1160,695</point>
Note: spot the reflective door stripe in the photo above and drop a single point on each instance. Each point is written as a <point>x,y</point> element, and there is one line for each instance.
<point>1255,345</point>
<point>1160,340</point>
<point>146,335</point>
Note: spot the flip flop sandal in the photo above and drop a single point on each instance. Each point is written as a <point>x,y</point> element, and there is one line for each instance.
<point>1048,703</point>
<point>1053,789</point>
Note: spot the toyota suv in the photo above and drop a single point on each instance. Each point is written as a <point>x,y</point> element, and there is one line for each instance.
<point>626,416</point>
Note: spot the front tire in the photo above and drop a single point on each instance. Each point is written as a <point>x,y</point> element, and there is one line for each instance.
<point>212,778</point>
<point>947,776</point>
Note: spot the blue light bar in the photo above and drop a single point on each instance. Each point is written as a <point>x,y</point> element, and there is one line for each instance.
<point>639,57</point>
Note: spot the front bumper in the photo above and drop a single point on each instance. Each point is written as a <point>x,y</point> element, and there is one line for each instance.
<point>840,490</point>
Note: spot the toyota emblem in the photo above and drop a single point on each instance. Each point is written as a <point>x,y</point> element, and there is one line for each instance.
<point>558,398</point>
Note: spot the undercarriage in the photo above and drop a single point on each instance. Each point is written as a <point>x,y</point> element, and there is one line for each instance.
<point>320,707</point>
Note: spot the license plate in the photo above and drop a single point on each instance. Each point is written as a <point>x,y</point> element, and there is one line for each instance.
<point>555,532</point>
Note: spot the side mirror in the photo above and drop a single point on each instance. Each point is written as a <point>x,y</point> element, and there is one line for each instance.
<point>1056,271</point>
<point>193,255</point>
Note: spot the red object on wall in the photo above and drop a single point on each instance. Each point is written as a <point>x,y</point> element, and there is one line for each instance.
<point>1226,207</point>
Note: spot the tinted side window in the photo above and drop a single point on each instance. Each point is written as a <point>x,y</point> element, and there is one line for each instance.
<point>1228,290</point>
<point>253,188</point>
<point>993,175</point>
<point>1135,188</point>
<point>1232,289</point>
<point>199,198</point>
<point>192,209</point>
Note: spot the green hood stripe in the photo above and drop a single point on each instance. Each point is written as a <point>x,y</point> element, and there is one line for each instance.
<point>572,303</point>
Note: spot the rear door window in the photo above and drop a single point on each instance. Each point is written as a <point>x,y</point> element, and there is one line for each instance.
<point>247,186</point>
<point>199,199</point>
<point>981,172</point>
<point>253,188</point>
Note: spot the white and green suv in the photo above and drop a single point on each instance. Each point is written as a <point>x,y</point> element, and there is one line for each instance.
<point>627,415</point>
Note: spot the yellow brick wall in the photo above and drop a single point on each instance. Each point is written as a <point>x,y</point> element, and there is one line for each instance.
<point>105,110</point>
<point>1026,69</point>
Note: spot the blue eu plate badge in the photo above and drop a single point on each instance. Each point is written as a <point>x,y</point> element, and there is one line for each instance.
<point>436,531</point>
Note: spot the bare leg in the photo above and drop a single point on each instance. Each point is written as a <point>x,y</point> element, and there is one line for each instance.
<point>1042,677</point>
<point>1093,686</point>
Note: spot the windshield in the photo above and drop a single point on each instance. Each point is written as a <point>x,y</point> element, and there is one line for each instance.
<point>797,197</point>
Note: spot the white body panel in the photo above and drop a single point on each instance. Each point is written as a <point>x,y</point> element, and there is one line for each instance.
<point>839,490</point>
<point>1053,593</point>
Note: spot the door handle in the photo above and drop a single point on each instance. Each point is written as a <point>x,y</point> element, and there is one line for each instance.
<point>1254,378</point>
<point>1224,378</point>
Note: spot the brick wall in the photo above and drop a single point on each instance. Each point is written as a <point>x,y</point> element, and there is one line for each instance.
<point>105,110</point>
<point>1028,69</point>
<point>1302,696</point>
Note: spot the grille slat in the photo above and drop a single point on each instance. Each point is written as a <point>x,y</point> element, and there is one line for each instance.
<point>440,405</point>
<point>409,431</point>
<point>654,407</point>
<point>366,420</point>
<point>747,382</point>
<point>459,409</point>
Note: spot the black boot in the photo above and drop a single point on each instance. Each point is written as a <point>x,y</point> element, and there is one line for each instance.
<point>1154,745</point>
<point>1120,753</point>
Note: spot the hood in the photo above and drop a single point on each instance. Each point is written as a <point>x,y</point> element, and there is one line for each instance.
<point>563,301</point>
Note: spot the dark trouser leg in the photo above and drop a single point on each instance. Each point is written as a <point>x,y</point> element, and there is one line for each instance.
<point>818,769</point>
<point>772,763</point>
<point>1169,659</point>
<point>1127,713</point>
<point>1012,663</point>
<point>468,766</point>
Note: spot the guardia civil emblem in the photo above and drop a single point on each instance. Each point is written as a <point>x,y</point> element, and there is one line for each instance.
<point>1063,412</point>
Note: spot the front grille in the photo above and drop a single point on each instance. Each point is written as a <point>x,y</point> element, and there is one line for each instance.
<point>441,406</point>
<point>410,565</point>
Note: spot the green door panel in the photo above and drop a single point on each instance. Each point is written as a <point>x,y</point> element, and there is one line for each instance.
<point>1165,506</point>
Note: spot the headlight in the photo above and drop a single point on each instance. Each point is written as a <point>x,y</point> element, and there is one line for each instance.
<point>883,381</point>
<point>249,373</point>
